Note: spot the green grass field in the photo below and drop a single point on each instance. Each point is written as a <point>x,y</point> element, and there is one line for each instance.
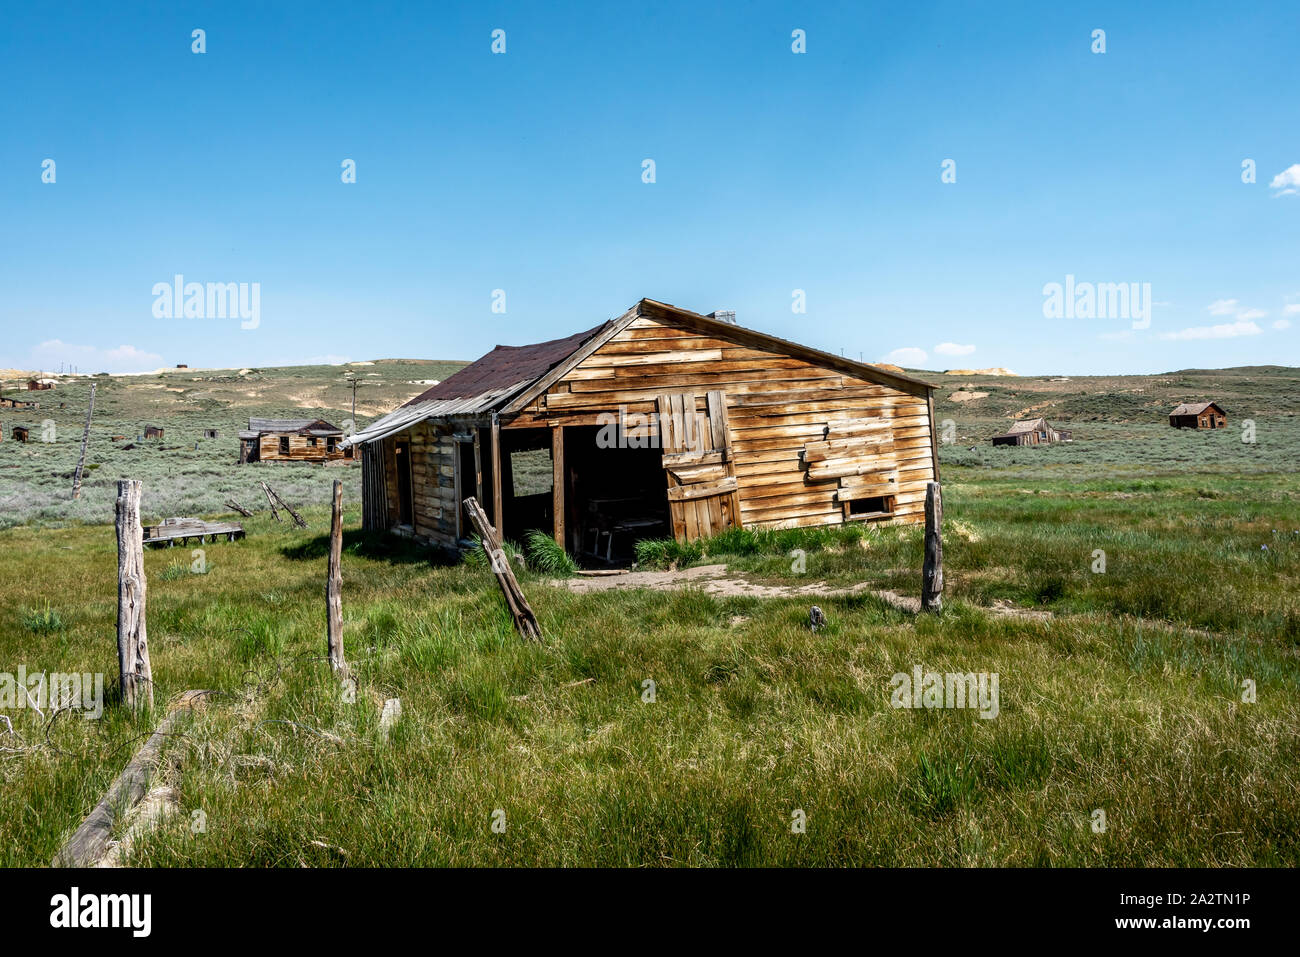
<point>1128,699</point>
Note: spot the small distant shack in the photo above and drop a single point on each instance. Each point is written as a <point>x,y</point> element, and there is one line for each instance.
<point>20,433</point>
<point>1198,415</point>
<point>8,403</point>
<point>1033,432</point>
<point>153,432</point>
<point>292,440</point>
<point>209,433</point>
<point>37,385</point>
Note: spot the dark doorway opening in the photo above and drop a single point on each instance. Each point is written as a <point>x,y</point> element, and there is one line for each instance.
<point>616,494</point>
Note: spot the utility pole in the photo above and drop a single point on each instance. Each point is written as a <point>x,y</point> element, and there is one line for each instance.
<point>352,377</point>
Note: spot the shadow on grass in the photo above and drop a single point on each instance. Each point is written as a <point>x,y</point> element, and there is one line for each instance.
<point>377,546</point>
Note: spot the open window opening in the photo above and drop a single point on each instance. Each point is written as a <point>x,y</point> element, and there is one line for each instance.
<point>284,445</point>
<point>863,509</point>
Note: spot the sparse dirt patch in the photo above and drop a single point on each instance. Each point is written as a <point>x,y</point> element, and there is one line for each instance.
<point>715,580</point>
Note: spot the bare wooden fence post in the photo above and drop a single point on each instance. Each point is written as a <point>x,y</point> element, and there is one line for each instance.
<point>85,436</point>
<point>132,641</point>
<point>932,572</point>
<point>334,585</point>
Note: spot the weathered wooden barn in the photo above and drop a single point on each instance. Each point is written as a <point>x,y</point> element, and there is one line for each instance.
<point>1198,415</point>
<point>38,385</point>
<point>662,422</point>
<point>292,440</point>
<point>1032,432</point>
<point>9,403</point>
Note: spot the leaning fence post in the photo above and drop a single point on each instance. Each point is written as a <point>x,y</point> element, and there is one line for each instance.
<point>334,585</point>
<point>132,641</point>
<point>932,571</point>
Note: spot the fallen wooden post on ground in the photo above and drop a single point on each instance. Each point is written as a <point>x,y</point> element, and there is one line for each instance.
<point>932,570</point>
<point>90,841</point>
<point>334,587</point>
<point>231,503</point>
<point>85,437</point>
<point>524,619</point>
<point>132,642</point>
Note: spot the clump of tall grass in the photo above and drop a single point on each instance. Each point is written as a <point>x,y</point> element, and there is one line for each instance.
<point>174,571</point>
<point>476,557</point>
<point>548,556</point>
<point>666,552</point>
<point>42,621</point>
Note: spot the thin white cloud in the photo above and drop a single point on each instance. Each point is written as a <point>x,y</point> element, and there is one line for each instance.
<point>1292,309</point>
<point>1233,307</point>
<point>52,354</point>
<point>1281,323</point>
<point>906,356</point>
<point>953,349</point>
<point>1227,330</point>
<point>1287,182</point>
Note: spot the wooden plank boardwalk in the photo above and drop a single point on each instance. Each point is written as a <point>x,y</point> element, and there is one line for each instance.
<point>172,530</point>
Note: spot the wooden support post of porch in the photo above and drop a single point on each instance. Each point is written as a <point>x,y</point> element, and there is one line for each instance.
<point>478,467</point>
<point>498,506</point>
<point>557,482</point>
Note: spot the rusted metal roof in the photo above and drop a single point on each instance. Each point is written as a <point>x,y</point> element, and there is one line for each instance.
<point>506,366</point>
<point>482,386</point>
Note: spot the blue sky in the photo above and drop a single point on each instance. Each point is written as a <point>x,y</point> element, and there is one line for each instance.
<point>774,172</point>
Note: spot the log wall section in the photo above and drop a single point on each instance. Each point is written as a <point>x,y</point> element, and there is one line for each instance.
<point>433,491</point>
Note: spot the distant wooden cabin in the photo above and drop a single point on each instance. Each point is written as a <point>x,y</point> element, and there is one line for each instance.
<point>660,423</point>
<point>209,433</point>
<point>292,440</point>
<point>20,433</point>
<point>153,432</point>
<point>1033,432</point>
<point>37,385</point>
<point>8,403</point>
<point>1198,415</point>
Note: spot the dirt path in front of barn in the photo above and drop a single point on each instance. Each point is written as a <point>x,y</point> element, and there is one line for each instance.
<point>715,580</point>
